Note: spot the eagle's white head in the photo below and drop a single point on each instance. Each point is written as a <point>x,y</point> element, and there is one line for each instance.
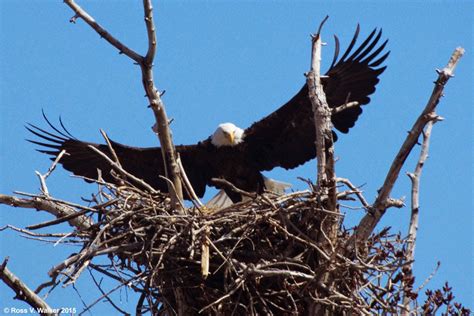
<point>227,134</point>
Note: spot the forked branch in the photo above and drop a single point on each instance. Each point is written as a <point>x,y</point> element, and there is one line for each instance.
<point>370,220</point>
<point>415,205</point>
<point>172,170</point>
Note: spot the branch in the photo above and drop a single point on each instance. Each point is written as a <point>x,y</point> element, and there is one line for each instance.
<point>44,203</point>
<point>158,107</point>
<point>225,183</point>
<point>117,166</point>
<point>370,220</point>
<point>151,32</point>
<point>326,178</point>
<point>357,192</point>
<point>187,185</point>
<point>43,177</point>
<point>105,295</point>
<point>321,111</point>
<point>415,204</point>
<point>154,98</point>
<point>23,292</point>
<point>81,13</point>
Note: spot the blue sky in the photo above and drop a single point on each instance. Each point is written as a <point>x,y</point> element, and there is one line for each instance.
<point>228,61</point>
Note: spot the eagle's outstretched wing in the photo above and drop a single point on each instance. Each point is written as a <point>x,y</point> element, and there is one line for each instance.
<point>286,137</point>
<point>144,163</point>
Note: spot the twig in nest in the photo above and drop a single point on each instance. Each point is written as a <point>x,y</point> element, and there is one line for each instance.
<point>187,185</point>
<point>357,192</point>
<point>229,185</point>
<point>117,166</point>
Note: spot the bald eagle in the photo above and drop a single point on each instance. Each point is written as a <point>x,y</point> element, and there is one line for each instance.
<point>285,138</point>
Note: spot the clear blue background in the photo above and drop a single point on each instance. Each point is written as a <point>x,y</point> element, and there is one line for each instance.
<point>233,61</point>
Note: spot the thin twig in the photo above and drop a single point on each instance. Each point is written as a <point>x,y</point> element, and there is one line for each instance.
<point>225,183</point>
<point>355,190</point>
<point>42,178</point>
<point>117,166</point>
<point>105,295</point>
<point>187,184</point>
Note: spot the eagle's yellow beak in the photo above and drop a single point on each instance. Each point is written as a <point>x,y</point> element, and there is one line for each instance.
<point>231,137</point>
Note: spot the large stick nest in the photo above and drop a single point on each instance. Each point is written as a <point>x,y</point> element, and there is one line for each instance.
<point>268,255</point>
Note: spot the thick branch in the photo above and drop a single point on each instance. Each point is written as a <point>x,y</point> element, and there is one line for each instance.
<point>45,204</point>
<point>322,121</point>
<point>23,292</point>
<point>164,134</point>
<point>370,220</point>
<point>326,178</point>
<point>415,197</point>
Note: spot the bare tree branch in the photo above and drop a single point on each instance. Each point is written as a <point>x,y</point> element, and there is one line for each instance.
<point>370,220</point>
<point>42,178</point>
<point>168,150</point>
<point>151,32</point>
<point>116,165</point>
<point>415,205</point>
<point>357,192</point>
<point>45,204</point>
<point>322,113</point>
<point>105,295</point>
<point>187,185</point>
<point>146,64</point>
<point>81,13</point>
<point>23,292</point>
<point>326,182</point>
<point>225,183</point>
